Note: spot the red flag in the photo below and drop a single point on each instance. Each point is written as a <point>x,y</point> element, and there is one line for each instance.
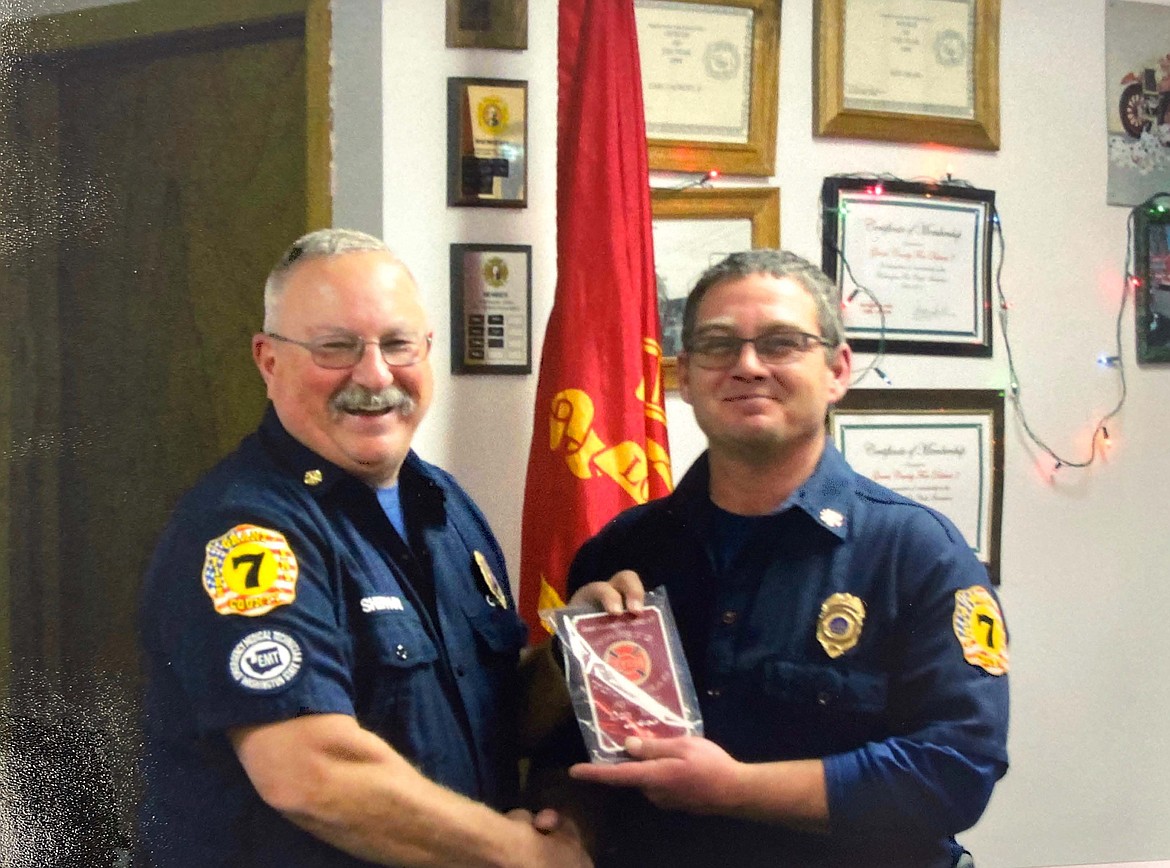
<point>599,436</point>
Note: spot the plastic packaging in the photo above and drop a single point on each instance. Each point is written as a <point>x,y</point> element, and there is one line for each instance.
<point>626,674</point>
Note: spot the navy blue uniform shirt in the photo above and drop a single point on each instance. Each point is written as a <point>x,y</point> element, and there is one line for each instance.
<point>280,588</point>
<point>907,713</point>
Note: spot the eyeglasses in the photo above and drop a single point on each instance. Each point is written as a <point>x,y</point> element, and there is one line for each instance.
<point>337,352</point>
<point>719,352</point>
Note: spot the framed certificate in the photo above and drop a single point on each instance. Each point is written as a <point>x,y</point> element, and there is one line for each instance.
<point>913,262</point>
<point>1151,247</point>
<point>491,309</point>
<point>943,448</point>
<point>908,71</point>
<point>487,142</point>
<point>694,229</point>
<point>487,24</point>
<point>709,83</point>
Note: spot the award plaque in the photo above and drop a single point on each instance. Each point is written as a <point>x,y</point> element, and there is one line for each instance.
<point>627,677</point>
<point>491,309</point>
<point>487,142</point>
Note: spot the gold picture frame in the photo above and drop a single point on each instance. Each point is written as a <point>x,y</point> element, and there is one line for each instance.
<point>710,54</point>
<point>501,24</point>
<point>694,228</point>
<point>875,101</point>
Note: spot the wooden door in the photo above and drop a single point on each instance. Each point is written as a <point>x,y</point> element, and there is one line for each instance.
<point>157,158</point>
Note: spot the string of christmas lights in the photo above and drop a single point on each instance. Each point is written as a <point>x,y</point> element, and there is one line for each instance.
<point>1100,437</point>
<point>1015,390</point>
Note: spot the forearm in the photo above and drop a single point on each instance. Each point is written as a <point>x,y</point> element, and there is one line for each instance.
<point>359,795</point>
<point>396,816</point>
<point>791,793</point>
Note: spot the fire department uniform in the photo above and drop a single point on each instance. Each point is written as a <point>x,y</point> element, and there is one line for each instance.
<point>280,588</point>
<point>852,624</point>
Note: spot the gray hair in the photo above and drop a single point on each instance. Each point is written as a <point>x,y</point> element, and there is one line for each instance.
<point>320,243</point>
<point>780,264</point>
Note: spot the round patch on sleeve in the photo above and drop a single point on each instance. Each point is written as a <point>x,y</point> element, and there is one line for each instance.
<point>979,626</point>
<point>250,571</point>
<point>265,660</point>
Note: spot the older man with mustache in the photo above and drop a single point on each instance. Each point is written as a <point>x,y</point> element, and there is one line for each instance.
<point>330,639</point>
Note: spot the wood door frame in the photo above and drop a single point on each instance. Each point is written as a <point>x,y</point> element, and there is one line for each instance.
<point>53,37</point>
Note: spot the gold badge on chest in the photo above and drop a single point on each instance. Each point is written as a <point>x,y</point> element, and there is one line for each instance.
<point>839,626</point>
<point>498,597</point>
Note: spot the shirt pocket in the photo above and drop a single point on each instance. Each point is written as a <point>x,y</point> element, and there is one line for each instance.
<point>401,696</point>
<point>828,688</point>
<point>498,631</point>
<point>817,710</point>
<point>400,641</point>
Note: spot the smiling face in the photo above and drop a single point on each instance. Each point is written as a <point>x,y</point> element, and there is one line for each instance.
<point>368,294</point>
<point>753,411</point>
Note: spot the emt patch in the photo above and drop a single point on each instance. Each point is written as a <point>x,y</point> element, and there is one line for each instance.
<point>979,626</point>
<point>265,660</point>
<point>250,571</point>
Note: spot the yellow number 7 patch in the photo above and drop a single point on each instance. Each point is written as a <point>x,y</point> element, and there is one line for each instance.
<point>250,571</point>
<point>979,625</point>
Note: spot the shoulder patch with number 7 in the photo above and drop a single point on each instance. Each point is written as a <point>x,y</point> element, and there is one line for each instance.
<point>979,626</point>
<point>250,571</point>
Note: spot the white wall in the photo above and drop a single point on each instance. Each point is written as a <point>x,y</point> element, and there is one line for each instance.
<point>1085,581</point>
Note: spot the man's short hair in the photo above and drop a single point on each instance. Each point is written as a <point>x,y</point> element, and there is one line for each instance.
<point>322,242</point>
<point>779,264</point>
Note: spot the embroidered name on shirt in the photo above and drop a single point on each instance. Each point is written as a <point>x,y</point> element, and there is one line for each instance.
<point>381,604</point>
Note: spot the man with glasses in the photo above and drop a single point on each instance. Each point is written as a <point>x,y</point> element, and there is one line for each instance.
<point>330,638</point>
<point>849,654</point>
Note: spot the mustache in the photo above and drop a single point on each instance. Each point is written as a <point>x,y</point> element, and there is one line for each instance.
<point>357,398</point>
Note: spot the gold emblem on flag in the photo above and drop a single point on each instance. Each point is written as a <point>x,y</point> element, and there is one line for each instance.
<point>840,623</point>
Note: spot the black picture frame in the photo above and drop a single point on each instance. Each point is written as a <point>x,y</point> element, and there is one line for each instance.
<point>1151,243</point>
<point>962,326</point>
<point>491,312</point>
<point>487,142</point>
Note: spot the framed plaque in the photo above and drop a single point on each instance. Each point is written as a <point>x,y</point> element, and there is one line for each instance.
<point>1151,247</point>
<point>908,71</point>
<point>709,83</point>
<point>943,448</point>
<point>627,675</point>
<point>913,262</point>
<point>487,24</point>
<point>487,142</point>
<point>491,309</point>
<point>694,229</point>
